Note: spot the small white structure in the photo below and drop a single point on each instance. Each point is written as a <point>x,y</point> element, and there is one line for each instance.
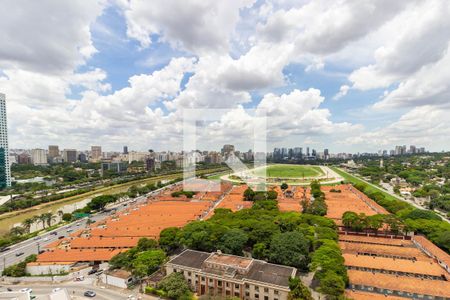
<point>118,278</point>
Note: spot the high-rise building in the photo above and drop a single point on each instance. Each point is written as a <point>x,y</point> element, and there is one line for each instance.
<point>38,157</point>
<point>82,157</point>
<point>412,149</point>
<point>70,155</point>
<point>53,151</point>
<point>5,171</point>
<point>227,150</point>
<point>150,164</point>
<point>96,153</point>
<point>307,151</point>
<point>125,149</point>
<point>23,159</point>
<point>326,154</point>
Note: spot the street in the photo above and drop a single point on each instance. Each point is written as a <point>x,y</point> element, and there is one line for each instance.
<point>34,245</point>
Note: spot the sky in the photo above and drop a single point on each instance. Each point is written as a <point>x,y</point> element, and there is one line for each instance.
<point>350,76</point>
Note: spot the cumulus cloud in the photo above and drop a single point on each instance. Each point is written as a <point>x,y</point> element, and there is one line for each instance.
<point>323,27</point>
<point>426,125</point>
<point>422,33</point>
<point>197,26</point>
<point>343,90</point>
<point>47,36</point>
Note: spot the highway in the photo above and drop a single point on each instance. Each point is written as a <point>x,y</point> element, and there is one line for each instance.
<point>76,290</point>
<point>34,245</point>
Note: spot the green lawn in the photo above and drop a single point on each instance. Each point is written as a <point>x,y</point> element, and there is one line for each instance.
<point>352,179</point>
<point>289,171</point>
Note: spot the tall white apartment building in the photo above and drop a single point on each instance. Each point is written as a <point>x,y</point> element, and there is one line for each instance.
<point>5,169</point>
<point>38,157</point>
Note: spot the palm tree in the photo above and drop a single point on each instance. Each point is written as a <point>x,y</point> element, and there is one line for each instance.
<point>42,218</point>
<point>49,217</point>
<point>60,214</point>
<point>27,223</point>
<point>17,230</point>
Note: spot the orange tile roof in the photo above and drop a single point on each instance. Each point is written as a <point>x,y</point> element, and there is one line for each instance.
<point>398,265</point>
<point>439,288</point>
<point>358,295</point>
<point>433,249</point>
<point>375,240</point>
<point>104,242</point>
<point>77,255</point>
<point>411,252</point>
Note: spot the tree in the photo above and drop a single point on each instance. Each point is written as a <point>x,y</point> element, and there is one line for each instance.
<point>289,248</point>
<point>60,214</point>
<point>349,218</point>
<point>148,262</point>
<point>298,290</point>
<point>332,284</point>
<point>175,286</point>
<point>168,239</point>
<point>67,217</point>
<point>43,219</point>
<point>145,244</point>
<point>16,231</point>
<point>249,194</point>
<point>233,241</point>
<point>49,217</point>
<point>284,186</point>
<point>27,223</point>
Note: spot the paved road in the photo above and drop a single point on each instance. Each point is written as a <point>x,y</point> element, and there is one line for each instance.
<point>34,245</point>
<point>78,290</point>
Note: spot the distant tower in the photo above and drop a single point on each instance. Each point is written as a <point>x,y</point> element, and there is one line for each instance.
<point>381,163</point>
<point>125,149</point>
<point>5,169</point>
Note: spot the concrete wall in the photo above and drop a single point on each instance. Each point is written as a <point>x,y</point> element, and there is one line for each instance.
<point>48,269</point>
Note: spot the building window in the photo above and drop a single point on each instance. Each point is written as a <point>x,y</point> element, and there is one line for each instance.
<point>247,294</point>
<point>266,297</point>
<point>247,286</point>
<point>236,286</point>
<point>256,288</point>
<point>256,296</point>
<point>210,280</point>
<point>228,284</point>
<point>236,294</point>
<point>219,282</point>
<point>275,292</point>
<point>189,273</point>
<point>203,278</point>
<point>266,290</point>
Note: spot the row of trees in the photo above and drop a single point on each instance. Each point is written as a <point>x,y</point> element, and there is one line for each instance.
<point>318,206</point>
<point>411,218</point>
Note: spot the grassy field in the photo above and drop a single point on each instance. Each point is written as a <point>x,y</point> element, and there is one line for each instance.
<point>352,179</point>
<point>289,171</point>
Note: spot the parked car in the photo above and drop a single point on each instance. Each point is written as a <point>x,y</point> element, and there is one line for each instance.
<point>60,237</point>
<point>56,289</point>
<point>79,278</point>
<point>93,271</point>
<point>54,233</point>
<point>69,230</point>
<point>26,290</point>
<point>37,238</point>
<point>89,294</point>
<point>41,251</point>
<point>5,249</point>
<point>19,253</point>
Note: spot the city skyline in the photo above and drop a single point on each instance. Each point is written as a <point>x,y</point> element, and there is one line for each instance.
<point>122,74</point>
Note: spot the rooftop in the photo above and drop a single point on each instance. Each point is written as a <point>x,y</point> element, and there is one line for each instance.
<point>76,255</point>
<point>398,265</point>
<point>256,270</point>
<point>439,288</point>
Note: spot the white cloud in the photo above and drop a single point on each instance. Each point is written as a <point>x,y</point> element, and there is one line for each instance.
<point>196,26</point>
<point>343,90</point>
<point>47,36</point>
<point>415,38</point>
<point>425,125</point>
